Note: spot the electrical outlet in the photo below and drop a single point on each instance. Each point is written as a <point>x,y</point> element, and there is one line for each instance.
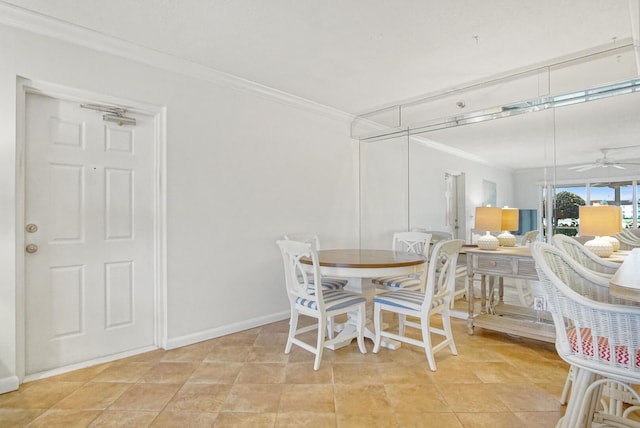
<point>539,304</point>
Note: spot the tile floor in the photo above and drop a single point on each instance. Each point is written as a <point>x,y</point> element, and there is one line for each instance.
<point>245,380</point>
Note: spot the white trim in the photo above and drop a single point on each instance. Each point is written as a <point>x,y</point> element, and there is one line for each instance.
<point>203,335</point>
<point>24,86</point>
<point>10,383</point>
<point>634,12</point>
<point>85,364</point>
<point>44,25</point>
<point>161,299</point>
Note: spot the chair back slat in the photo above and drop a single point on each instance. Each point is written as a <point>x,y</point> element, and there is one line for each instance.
<point>310,238</point>
<point>441,273</point>
<point>411,242</point>
<point>301,278</point>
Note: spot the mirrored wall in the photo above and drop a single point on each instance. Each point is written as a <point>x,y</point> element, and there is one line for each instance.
<point>507,142</point>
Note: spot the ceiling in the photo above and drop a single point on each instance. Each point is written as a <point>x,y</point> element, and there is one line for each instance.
<point>357,55</point>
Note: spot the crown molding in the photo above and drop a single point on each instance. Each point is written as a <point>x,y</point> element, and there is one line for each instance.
<point>27,20</point>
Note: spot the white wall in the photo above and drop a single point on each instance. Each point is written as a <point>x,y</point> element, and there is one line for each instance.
<point>403,187</point>
<point>243,168</point>
<point>428,187</point>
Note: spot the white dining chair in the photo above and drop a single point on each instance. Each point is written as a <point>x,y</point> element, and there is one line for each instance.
<point>305,298</point>
<point>461,269</point>
<point>598,335</point>
<point>328,283</point>
<point>586,258</point>
<point>523,286</point>
<point>410,242</point>
<point>529,237</point>
<point>439,282</point>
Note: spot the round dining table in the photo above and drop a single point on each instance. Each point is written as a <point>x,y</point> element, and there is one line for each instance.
<point>359,266</point>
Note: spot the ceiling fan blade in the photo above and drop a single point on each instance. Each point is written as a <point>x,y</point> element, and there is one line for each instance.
<point>615,165</point>
<point>588,166</point>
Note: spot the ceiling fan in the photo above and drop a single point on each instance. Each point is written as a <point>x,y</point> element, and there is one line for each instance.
<point>603,162</point>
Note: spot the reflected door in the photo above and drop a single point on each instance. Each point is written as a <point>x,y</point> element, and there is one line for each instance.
<point>455,204</point>
<point>89,278</point>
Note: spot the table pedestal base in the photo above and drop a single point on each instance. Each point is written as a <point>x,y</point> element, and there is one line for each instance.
<point>365,287</point>
<point>349,328</point>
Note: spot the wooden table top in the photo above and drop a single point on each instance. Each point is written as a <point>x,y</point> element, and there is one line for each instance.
<point>354,258</point>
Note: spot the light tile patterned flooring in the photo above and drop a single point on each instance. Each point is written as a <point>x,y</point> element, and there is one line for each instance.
<point>245,380</point>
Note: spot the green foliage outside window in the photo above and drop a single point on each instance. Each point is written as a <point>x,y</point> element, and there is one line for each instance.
<point>567,212</point>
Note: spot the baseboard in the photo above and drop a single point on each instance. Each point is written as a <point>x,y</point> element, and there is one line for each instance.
<point>85,364</point>
<point>201,336</point>
<point>9,383</point>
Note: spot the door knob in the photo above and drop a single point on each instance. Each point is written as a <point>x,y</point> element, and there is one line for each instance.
<point>31,228</point>
<point>31,248</point>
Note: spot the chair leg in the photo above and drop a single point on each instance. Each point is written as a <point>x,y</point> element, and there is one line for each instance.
<point>579,403</point>
<point>322,325</point>
<point>401,319</point>
<point>567,387</point>
<point>377,325</point>
<point>426,341</point>
<point>293,326</point>
<point>446,325</point>
<point>360,327</point>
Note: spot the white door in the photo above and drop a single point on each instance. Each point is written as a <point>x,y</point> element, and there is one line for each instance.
<point>89,283</point>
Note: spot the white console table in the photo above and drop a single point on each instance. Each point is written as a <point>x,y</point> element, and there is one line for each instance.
<point>510,262</point>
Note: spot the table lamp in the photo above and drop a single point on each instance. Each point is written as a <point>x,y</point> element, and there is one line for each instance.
<point>603,222</point>
<point>509,223</point>
<point>488,219</point>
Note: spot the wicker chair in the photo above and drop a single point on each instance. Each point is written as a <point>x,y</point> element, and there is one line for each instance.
<point>598,335</point>
<point>585,257</point>
<point>629,239</point>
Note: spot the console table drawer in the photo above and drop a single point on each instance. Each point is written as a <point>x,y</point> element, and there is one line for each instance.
<point>504,265</point>
<point>494,265</point>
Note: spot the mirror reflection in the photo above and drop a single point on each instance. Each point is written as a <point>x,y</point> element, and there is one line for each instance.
<point>432,176</point>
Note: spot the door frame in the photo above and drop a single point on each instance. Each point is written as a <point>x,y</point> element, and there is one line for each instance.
<point>459,228</point>
<point>27,86</point>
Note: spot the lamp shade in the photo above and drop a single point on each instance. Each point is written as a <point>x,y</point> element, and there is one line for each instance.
<point>489,219</point>
<point>601,220</point>
<point>509,219</point>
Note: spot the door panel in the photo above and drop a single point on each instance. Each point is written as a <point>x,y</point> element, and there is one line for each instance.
<point>89,287</point>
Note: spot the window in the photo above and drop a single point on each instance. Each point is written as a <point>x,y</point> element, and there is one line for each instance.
<point>569,197</point>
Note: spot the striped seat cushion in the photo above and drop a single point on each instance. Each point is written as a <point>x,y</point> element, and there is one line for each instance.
<point>333,299</point>
<point>333,283</point>
<point>411,282</point>
<point>329,284</point>
<point>622,353</point>
<point>409,299</point>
